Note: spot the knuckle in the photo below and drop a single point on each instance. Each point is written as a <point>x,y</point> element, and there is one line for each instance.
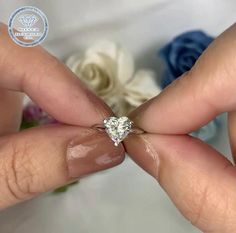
<point>18,174</point>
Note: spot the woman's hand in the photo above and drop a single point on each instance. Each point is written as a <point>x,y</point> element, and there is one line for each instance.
<point>199,180</point>
<point>39,159</point>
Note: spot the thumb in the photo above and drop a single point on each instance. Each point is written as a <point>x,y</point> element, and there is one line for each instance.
<point>198,179</point>
<point>191,101</point>
<point>57,155</point>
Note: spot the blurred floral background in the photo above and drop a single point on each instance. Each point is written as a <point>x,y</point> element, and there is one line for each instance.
<point>123,199</point>
<point>109,70</point>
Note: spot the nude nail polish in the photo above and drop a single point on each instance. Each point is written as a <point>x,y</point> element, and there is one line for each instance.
<point>143,153</point>
<point>92,153</point>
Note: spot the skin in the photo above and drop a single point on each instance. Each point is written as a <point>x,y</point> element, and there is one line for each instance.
<point>30,167</point>
<point>199,180</point>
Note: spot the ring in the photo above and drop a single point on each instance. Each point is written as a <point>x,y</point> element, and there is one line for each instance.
<point>118,128</point>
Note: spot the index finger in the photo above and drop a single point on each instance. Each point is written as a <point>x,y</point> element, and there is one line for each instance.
<point>48,82</point>
<point>190,102</point>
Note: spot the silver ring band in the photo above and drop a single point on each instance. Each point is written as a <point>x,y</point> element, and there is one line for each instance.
<point>118,128</point>
<point>134,130</point>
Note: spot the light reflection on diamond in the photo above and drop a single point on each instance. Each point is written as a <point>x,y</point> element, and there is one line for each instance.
<point>117,128</point>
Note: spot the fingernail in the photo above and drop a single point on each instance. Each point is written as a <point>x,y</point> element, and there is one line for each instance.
<point>92,153</point>
<point>143,153</point>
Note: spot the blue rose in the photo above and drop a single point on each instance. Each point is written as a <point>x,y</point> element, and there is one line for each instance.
<point>181,54</point>
<point>208,132</point>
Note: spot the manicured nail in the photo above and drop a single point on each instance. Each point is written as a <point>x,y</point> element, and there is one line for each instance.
<point>92,153</point>
<point>143,153</point>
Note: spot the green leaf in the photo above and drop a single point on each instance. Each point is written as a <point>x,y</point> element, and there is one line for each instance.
<point>26,124</point>
<point>64,188</point>
<point>61,189</point>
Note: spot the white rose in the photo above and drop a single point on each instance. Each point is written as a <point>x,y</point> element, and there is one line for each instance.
<point>108,70</point>
<point>102,69</point>
<point>140,88</point>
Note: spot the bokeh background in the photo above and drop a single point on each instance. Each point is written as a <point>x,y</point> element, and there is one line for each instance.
<point>124,199</point>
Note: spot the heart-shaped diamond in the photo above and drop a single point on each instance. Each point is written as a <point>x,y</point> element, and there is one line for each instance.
<point>117,128</point>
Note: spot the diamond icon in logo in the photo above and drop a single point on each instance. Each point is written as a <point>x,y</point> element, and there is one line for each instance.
<point>27,20</point>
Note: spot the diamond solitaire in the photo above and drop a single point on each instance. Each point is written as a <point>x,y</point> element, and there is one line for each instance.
<point>117,128</point>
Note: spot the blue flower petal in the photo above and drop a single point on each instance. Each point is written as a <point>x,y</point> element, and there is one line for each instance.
<point>209,131</point>
<point>191,43</point>
<point>179,56</point>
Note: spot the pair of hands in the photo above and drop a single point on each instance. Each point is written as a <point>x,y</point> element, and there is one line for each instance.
<point>198,179</point>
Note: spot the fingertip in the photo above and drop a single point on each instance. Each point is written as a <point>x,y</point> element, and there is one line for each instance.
<point>49,83</point>
<point>92,153</point>
<point>143,153</point>
<point>199,95</point>
<point>32,163</point>
<point>194,175</point>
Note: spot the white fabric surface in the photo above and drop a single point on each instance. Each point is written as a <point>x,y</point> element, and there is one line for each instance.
<point>123,199</point>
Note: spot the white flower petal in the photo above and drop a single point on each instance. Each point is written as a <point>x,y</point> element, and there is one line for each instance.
<point>106,68</point>
<point>122,58</point>
<point>141,88</point>
<point>118,105</point>
<point>103,47</point>
<point>73,61</point>
<point>98,68</point>
<point>125,66</point>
